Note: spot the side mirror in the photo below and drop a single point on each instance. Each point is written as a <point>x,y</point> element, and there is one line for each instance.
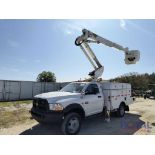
<point>83,94</point>
<point>86,92</point>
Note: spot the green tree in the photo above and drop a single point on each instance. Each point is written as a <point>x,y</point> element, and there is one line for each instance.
<point>46,76</point>
<point>138,81</point>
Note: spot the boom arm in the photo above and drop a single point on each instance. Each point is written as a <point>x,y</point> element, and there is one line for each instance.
<point>131,56</point>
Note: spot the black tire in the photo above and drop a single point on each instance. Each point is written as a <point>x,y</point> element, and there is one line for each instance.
<point>71,124</point>
<point>42,123</point>
<point>121,110</point>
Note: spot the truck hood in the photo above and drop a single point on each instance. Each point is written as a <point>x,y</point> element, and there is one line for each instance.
<point>54,97</point>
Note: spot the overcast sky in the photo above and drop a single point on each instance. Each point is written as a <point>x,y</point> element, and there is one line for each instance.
<point>28,47</point>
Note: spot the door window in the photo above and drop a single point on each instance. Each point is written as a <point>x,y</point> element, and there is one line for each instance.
<point>92,89</point>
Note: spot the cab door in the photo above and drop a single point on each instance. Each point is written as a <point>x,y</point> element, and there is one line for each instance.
<point>93,99</point>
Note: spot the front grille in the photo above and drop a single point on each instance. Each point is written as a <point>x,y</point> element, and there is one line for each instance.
<point>41,104</point>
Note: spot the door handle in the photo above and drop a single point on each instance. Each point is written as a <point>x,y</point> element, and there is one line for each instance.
<point>99,96</point>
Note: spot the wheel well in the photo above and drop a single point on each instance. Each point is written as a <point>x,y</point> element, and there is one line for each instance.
<point>126,106</point>
<point>75,108</point>
<point>123,103</point>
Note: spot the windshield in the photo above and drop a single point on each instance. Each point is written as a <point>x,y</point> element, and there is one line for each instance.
<point>73,87</point>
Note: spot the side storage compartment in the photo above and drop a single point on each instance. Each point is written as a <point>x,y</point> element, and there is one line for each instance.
<point>116,93</point>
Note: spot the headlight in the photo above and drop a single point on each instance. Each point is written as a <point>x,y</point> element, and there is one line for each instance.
<point>56,107</point>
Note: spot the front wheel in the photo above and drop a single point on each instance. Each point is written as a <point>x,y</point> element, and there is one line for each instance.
<point>121,110</point>
<point>71,124</point>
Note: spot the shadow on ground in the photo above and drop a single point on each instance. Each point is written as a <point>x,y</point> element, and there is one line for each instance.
<point>127,125</point>
<point>153,124</point>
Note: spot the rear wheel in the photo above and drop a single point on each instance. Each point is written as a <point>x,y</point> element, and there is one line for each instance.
<point>121,110</point>
<point>71,124</point>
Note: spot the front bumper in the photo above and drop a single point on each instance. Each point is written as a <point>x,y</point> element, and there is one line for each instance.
<point>46,116</point>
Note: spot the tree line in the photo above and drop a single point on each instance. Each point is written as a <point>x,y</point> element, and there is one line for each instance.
<point>141,82</point>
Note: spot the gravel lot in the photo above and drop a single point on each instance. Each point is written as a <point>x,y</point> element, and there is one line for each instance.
<point>140,121</point>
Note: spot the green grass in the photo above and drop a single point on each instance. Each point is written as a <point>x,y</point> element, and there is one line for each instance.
<point>14,103</point>
<point>10,118</point>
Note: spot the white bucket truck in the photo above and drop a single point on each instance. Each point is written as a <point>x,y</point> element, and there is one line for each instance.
<point>78,100</point>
